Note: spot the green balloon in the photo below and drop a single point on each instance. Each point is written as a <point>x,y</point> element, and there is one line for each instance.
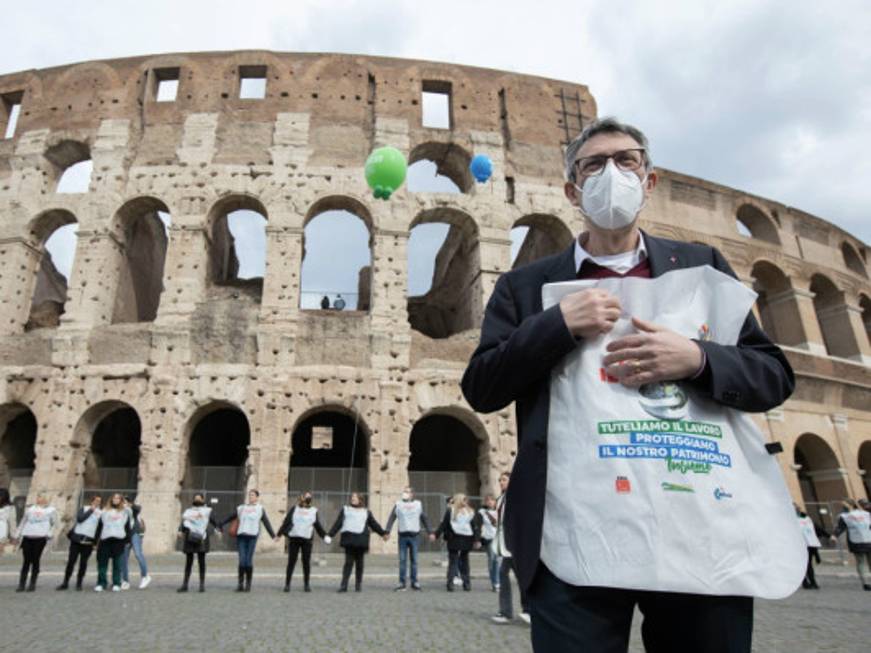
<point>385,171</point>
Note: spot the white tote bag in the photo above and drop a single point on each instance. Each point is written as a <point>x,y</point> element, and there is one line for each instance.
<point>658,488</point>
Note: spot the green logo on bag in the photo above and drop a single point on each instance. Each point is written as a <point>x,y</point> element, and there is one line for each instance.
<point>675,487</point>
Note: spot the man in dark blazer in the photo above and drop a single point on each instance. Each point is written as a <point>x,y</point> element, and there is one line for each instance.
<point>609,177</point>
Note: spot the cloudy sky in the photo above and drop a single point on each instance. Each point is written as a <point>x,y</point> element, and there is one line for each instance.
<point>767,96</point>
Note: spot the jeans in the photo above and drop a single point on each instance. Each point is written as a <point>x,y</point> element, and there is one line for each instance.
<point>408,543</point>
<point>493,562</point>
<point>598,619</point>
<point>110,549</point>
<point>135,544</point>
<point>246,545</point>
<point>506,606</point>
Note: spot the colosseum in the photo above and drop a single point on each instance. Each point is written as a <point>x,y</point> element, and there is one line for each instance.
<point>152,364</point>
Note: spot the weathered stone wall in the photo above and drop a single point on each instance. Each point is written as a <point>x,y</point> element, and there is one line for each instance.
<point>299,151</point>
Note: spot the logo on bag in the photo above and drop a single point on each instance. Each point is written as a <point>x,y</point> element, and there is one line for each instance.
<point>622,485</point>
<point>663,400</point>
<point>705,333</point>
<point>720,494</point>
<point>676,487</point>
<point>604,377</point>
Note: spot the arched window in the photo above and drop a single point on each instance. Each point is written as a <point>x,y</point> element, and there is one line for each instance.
<point>778,310</point>
<point>17,451</point>
<point>832,317</point>
<point>238,244</point>
<point>337,260</point>
<point>536,236</point>
<point>752,222</point>
<point>820,478</point>
<point>113,434</point>
<point>54,233</point>
<point>439,168</point>
<point>144,227</point>
<point>852,260</point>
<point>72,165</point>
<point>443,273</point>
<point>865,305</point>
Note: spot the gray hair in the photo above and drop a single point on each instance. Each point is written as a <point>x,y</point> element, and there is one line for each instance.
<point>608,125</point>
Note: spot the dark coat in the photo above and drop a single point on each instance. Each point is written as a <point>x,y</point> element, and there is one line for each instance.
<point>520,343</point>
<point>457,542</point>
<point>356,540</point>
<point>189,546</point>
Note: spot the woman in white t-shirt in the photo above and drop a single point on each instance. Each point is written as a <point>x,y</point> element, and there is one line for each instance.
<point>248,517</point>
<point>299,526</point>
<point>461,530</point>
<point>34,532</point>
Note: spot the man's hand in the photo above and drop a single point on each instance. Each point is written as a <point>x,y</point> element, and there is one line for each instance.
<point>655,354</point>
<point>590,313</point>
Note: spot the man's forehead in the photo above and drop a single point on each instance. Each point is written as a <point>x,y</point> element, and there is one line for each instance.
<point>607,143</point>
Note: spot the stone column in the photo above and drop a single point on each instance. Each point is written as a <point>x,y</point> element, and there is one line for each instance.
<point>390,332</point>
<point>495,259</point>
<point>797,326</point>
<point>96,270</point>
<point>19,267</point>
<point>848,456</point>
<point>279,307</point>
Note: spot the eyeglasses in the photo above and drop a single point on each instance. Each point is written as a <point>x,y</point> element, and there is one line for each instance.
<point>626,160</point>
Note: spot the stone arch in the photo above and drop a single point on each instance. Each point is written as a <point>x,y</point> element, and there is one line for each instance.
<point>449,452</point>
<point>246,216</point>
<point>777,305</point>
<point>820,474</point>
<point>864,461</point>
<point>51,230</point>
<point>106,442</point>
<point>452,303</point>
<point>538,235</point>
<point>833,317</point>
<point>447,160</point>
<point>865,306</point>
<point>65,157</point>
<point>329,446</point>
<point>336,267</point>
<point>758,223</point>
<point>142,226</point>
<point>18,431</point>
<point>852,260</point>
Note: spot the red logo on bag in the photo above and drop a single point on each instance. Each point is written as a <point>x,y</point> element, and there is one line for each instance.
<point>622,485</point>
<point>604,377</point>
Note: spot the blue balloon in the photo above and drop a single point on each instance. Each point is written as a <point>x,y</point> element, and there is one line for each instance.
<point>481,167</point>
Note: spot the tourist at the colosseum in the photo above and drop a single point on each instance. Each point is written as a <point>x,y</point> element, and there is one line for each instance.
<point>113,533</point>
<point>411,518</point>
<point>135,545</point>
<point>857,524</point>
<point>34,532</point>
<point>248,517</point>
<point>812,532</point>
<point>488,518</point>
<point>461,530</point>
<point>506,564</point>
<point>355,521</point>
<point>194,533</point>
<point>7,520</point>
<point>299,525</point>
<point>609,176</point>
<point>83,538</point>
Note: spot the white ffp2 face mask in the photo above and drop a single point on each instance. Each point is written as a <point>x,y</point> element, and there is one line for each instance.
<point>612,199</point>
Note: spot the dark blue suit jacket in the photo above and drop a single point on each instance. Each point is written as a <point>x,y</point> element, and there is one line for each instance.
<point>520,343</point>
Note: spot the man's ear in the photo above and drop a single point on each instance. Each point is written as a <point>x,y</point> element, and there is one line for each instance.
<point>572,193</point>
<point>651,182</point>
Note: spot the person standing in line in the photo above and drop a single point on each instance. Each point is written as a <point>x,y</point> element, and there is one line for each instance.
<point>194,532</point>
<point>7,519</point>
<point>811,533</point>
<point>506,566</point>
<point>113,532</point>
<point>299,524</point>
<point>355,521</point>
<point>250,516</point>
<point>857,523</point>
<point>82,537</point>
<point>34,532</point>
<point>489,516</point>
<point>135,544</point>
<point>461,532</point>
<point>409,512</point>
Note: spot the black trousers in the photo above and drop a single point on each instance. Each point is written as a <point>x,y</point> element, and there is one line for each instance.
<point>353,558</point>
<point>81,553</point>
<point>294,546</point>
<point>31,549</point>
<point>189,566</point>
<point>810,579</point>
<point>458,565</point>
<point>598,619</point>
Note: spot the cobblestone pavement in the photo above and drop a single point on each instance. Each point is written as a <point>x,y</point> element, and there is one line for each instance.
<point>833,620</point>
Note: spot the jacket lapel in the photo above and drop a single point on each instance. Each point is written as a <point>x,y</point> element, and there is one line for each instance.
<point>661,254</point>
<point>564,267</point>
